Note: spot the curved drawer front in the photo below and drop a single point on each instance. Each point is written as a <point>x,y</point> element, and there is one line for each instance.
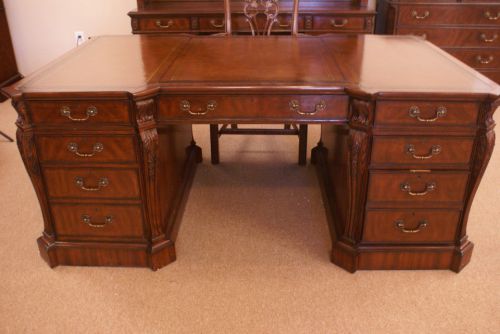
<point>410,226</point>
<point>92,183</point>
<point>426,114</point>
<point>460,37</point>
<point>449,14</point>
<point>98,221</point>
<point>421,150</point>
<point>79,113</point>
<point>85,149</point>
<point>242,108</point>
<point>427,189</point>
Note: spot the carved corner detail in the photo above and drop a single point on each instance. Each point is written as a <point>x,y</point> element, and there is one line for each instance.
<point>361,113</point>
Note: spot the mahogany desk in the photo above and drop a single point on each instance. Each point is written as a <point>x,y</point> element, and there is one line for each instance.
<point>407,132</point>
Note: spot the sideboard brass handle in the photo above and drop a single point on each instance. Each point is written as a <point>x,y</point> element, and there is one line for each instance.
<point>80,182</point>
<point>215,25</point>
<point>73,148</point>
<point>486,39</point>
<point>186,107</point>
<point>431,186</point>
<point>489,16</point>
<point>411,150</point>
<point>169,24</point>
<point>415,113</point>
<point>400,224</point>
<point>88,220</point>
<point>91,112</point>
<point>295,107</point>
<point>343,23</point>
<point>417,16</point>
<point>484,60</point>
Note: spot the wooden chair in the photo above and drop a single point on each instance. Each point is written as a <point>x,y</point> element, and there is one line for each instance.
<point>254,10</point>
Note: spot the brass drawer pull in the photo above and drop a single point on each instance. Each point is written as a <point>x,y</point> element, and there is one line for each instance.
<point>91,112</point>
<point>485,38</point>
<point>73,148</point>
<point>215,25</point>
<point>88,220</point>
<point>489,16</point>
<point>415,15</point>
<point>411,150</point>
<point>80,182</point>
<point>400,224</point>
<point>431,186</point>
<point>169,24</point>
<point>335,24</point>
<point>415,113</point>
<point>484,60</point>
<point>295,107</point>
<point>186,107</point>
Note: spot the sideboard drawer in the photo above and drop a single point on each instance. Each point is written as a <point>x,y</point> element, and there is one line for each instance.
<point>493,75</point>
<point>212,23</point>
<point>478,58</point>
<point>92,183</point>
<point>98,221</point>
<point>339,23</point>
<point>417,188</point>
<point>204,108</point>
<point>410,226</point>
<point>423,113</point>
<point>449,14</point>
<point>457,37</point>
<point>79,112</point>
<point>104,149</point>
<point>422,150</point>
<point>163,24</point>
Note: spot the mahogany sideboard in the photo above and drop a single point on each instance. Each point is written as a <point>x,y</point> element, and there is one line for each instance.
<point>8,69</point>
<point>207,16</point>
<point>467,29</point>
<point>407,132</point>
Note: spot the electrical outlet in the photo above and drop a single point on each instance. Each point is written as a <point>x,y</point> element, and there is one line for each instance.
<point>79,38</point>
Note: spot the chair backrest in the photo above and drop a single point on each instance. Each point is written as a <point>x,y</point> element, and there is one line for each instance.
<point>267,9</point>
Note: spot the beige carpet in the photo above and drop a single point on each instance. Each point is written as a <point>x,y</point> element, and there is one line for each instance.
<point>253,257</point>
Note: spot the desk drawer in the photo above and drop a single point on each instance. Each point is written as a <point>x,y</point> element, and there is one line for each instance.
<point>478,58</point>
<point>449,14</point>
<point>410,226</point>
<point>92,183</point>
<point>79,112</point>
<point>421,151</point>
<point>101,149</point>
<point>417,188</point>
<point>165,24</point>
<point>336,23</point>
<point>250,108</point>
<point>459,37</point>
<point>425,114</point>
<point>98,221</point>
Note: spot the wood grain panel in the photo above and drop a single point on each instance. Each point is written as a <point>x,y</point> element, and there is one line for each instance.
<point>125,221</point>
<point>122,183</point>
<point>440,226</point>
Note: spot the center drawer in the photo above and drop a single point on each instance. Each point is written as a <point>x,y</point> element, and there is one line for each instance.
<point>417,188</point>
<point>98,221</point>
<point>91,148</point>
<point>92,183</point>
<point>335,23</point>
<point>249,108</point>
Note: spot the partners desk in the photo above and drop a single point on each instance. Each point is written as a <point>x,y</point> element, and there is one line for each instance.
<point>407,131</point>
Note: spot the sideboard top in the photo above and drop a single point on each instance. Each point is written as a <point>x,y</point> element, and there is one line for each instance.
<point>182,63</point>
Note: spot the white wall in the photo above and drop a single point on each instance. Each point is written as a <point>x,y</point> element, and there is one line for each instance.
<point>44,29</point>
